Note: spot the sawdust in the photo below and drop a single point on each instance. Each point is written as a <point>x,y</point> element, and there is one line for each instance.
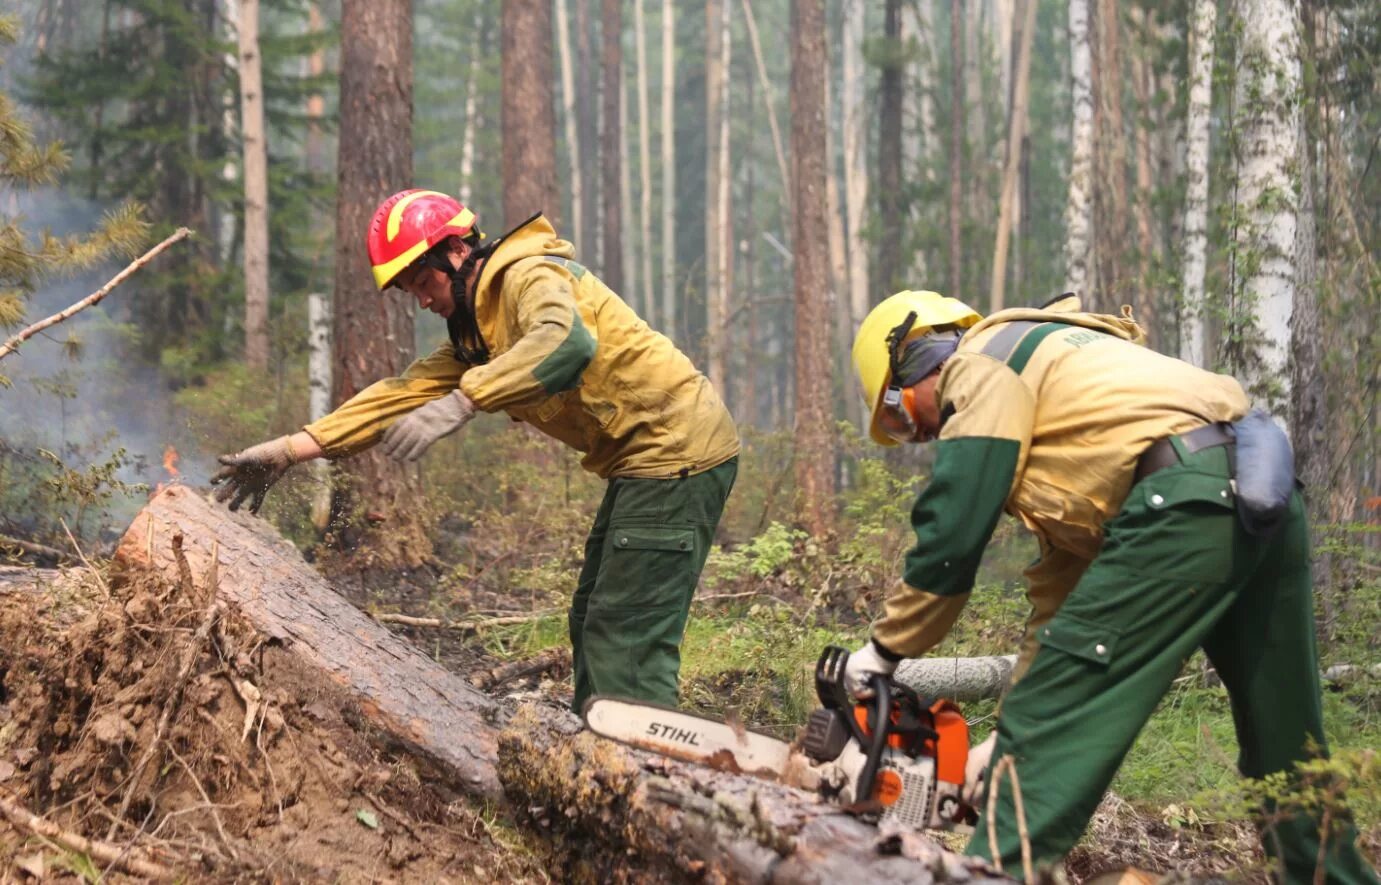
<point>264,770</point>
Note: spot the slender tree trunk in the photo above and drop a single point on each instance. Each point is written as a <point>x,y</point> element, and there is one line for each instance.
<point>319,396</point>
<point>569,116</point>
<point>372,335</point>
<point>471,130</point>
<point>1109,157</point>
<point>226,221</point>
<point>770,105</point>
<point>1193,326</point>
<point>1079,210</point>
<point>956,151</point>
<point>610,147</point>
<point>529,155</point>
<point>632,287</point>
<point>715,116</point>
<point>814,431</point>
<point>1268,71</point>
<point>890,271</point>
<point>839,264</point>
<point>256,251</point>
<point>855,126</point>
<point>1147,308</point>
<point>587,122</point>
<point>1016,125</point>
<point>669,167</point>
<point>719,318</point>
<point>649,289</point>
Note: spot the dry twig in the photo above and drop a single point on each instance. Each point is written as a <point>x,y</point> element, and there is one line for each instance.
<point>11,345</point>
<point>100,582</point>
<point>467,626</point>
<point>101,851</point>
<point>551,659</point>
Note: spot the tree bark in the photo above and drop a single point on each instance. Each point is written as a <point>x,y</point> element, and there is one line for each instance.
<point>587,122</point>
<point>1268,69</point>
<point>855,126</point>
<point>529,136</point>
<point>319,397</point>
<point>649,289</point>
<point>372,335</point>
<point>256,189</point>
<point>956,151</point>
<point>1016,126</point>
<point>1110,159</point>
<point>1193,328</point>
<point>669,168</point>
<point>716,122</point>
<point>890,273</point>
<point>814,431</point>
<point>1144,290</point>
<point>1079,210</point>
<point>399,689</point>
<point>687,821</point>
<point>568,115</point>
<point>611,145</point>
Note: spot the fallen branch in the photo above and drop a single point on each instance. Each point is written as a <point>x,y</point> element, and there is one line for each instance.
<point>104,852</point>
<point>558,658</point>
<point>34,549</point>
<point>25,334</point>
<point>466,626</point>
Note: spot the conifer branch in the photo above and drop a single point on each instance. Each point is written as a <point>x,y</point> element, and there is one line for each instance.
<point>13,343</point>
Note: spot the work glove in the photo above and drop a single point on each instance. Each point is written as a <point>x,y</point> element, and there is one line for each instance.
<point>250,474</point>
<point>860,667</point>
<point>415,432</point>
<point>976,769</point>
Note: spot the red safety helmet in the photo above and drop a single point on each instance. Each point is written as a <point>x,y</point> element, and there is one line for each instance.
<point>409,223</point>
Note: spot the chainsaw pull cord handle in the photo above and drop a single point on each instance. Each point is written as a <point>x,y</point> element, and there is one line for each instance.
<point>882,711</point>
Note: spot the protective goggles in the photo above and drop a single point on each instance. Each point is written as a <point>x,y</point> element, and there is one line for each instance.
<point>909,362</point>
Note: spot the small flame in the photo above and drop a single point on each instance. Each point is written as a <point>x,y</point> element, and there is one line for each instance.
<point>170,462</point>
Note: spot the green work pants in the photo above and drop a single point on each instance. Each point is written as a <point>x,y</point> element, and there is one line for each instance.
<point>642,562</point>
<point>1176,572</point>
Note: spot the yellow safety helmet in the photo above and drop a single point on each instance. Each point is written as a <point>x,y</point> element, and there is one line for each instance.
<point>872,350</point>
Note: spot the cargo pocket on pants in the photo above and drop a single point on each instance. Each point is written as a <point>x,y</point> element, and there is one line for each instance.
<point>645,567</point>
<point>1085,640</point>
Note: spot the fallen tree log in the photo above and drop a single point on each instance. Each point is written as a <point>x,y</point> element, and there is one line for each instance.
<point>607,805</point>
<point>959,679</point>
<point>428,709</point>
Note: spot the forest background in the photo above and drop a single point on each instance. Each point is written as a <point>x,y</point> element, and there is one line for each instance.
<point>752,177</point>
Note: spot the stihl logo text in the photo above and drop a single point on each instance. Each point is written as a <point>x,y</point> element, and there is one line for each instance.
<point>672,733</point>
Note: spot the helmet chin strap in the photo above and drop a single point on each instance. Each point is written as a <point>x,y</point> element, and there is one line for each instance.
<point>461,325</point>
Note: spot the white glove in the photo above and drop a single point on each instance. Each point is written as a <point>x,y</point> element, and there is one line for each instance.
<point>861,665</point>
<point>415,432</point>
<point>976,769</point>
<point>249,474</point>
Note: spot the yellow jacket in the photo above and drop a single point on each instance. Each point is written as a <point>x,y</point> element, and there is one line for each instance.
<point>1045,414</point>
<point>568,356</point>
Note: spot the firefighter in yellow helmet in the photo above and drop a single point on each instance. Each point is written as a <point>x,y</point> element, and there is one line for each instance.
<point>533,333</point>
<point>1167,521</point>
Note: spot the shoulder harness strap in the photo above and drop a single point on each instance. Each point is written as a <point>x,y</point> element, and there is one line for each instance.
<point>1017,341</point>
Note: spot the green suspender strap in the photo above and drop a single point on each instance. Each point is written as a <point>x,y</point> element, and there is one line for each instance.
<point>1018,340</point>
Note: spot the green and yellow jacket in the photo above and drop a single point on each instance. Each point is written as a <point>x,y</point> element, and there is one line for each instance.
<point>1045,413</point>
<point>568,356</point>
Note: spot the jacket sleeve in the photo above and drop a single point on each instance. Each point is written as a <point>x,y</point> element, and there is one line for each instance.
<point>360,421</point>
<point>978,460</point>
<point>552,347</point>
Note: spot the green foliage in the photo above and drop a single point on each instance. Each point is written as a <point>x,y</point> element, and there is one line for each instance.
<point>40,492</point>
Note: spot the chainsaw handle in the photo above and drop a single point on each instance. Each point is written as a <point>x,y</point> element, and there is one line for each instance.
<point>882,708</point>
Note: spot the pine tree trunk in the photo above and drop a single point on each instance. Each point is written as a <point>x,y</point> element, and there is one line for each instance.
<point>814,430</point>
<point>529,130</point>
<point>587,122</point>
<point>669,168</point>
<point>1110,159</point>
<point>568,115</point>
<point>610,146</point>
<point>1079,210</point>
<point>1016,126</point>
<point>1193,326</point>
<point>889,272</point>
<point>1144,291</point>
<point>1268,70</point>
<point>633,289</point>
<point>718,326</point>
<point>715,116</point>
<point>372,335</point>
<point>956,151</point>
<point>256,251</point>
<point>649,289</point>
<point>855,125</point>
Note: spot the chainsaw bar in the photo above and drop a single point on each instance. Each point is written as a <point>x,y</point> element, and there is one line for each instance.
<point>686,736</point>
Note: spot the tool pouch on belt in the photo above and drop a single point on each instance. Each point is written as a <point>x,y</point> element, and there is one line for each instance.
<point>1265,473</point>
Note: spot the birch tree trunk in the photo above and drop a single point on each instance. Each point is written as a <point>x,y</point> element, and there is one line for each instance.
<point>568,114</point>
<point>1193,338</point>
<point>373,336</point>
<point>633,289</point>
<point>319,397</point>
<point>256,164</point>
<point>1268,71</point>
<point>669,167</point>
<point>587,123</point>
<point>1147,308</point>
<point>855,126</point>
<point>719,313</point>
<point>839,264</point>
<point>889,271</point>
<point>611,144</point>
<point>649,289</point>
<point>1079,210</point>
<point>467,137</point>
<point>813,431</point>
<point>529,138</point>
<point>1016,127</point>
<point>956,151</point>
<point>715,117</point>
<point>226,222</point>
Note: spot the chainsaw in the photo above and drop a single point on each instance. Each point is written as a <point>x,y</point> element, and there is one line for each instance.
<point>895,756</point>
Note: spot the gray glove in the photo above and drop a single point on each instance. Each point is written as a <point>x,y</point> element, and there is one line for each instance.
<point>861,665</point>
<point>250,474</point>
<point>415,432</point>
